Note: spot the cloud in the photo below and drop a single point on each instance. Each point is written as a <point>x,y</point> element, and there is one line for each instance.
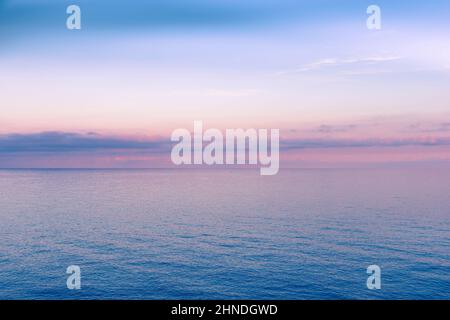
<point>433,128</point>
<point>60,142</point>
<point>293,144</point>
<point>218,93</point>
<point>335,62</point>
<point>335,128</point>
<point>66,142</point>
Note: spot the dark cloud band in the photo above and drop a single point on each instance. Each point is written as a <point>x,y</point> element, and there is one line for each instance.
<point>64,142</point>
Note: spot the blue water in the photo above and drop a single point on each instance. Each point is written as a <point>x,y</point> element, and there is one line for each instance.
<point>223,234</point>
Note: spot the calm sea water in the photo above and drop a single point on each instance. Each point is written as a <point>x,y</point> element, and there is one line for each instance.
<point>223,234</point>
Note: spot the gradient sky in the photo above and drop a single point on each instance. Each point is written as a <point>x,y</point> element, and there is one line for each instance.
<point>109,95</point>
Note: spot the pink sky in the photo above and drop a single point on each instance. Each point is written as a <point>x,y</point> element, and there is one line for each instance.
<point>333,83</point>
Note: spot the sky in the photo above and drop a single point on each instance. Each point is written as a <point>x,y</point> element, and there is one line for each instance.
<point>110,94</point>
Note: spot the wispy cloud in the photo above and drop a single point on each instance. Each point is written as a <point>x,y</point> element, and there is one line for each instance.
<point>430,128</point>
<point>335,128</point>
<point>335,62</point>
<point>218,93</point>
<point>363,143</point>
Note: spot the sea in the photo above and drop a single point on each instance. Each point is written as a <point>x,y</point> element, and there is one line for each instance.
<point>225,234</point>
